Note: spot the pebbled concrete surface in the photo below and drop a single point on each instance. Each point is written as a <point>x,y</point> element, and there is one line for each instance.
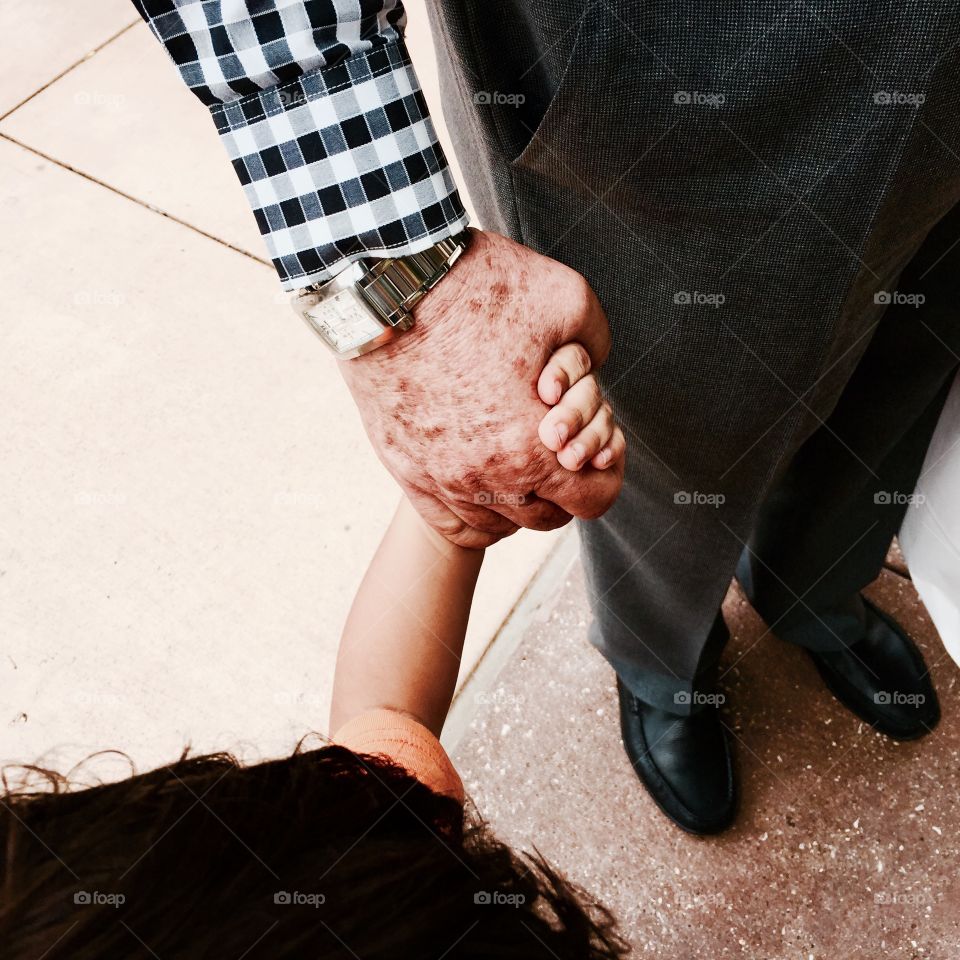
<point>846,845</point>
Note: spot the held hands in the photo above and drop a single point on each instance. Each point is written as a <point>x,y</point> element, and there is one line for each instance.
<point>456,408</point>
<point>580,426</point>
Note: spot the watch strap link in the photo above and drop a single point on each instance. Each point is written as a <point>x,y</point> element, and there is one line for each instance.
<point>393,286</point>
<point>369,303</point>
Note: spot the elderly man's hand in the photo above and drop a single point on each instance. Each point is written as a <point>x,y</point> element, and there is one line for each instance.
<point>452,406</point>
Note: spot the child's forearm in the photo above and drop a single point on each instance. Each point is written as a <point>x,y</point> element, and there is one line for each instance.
<point>404,635</point>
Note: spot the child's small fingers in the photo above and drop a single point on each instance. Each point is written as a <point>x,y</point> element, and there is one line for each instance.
<point>566,366</point>
<point>589,441</point>
<point>577,407</point>
<point>612,452</point>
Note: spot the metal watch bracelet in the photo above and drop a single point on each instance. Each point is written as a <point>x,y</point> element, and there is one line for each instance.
<point>369,303</point>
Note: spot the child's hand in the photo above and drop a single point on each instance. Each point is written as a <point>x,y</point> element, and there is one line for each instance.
<point>580,427</point>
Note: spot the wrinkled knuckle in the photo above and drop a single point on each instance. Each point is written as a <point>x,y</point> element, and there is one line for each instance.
<point>594,438</point>
<point>474,539</point>
<point>594,507</point>
<point>491,521</point>
<point>593,510</point>
<point>574,420</point>
<point>539,465</point>
<point>547,516</point>
<point>466,484</point>
<point>450,526</point>
<point>580,359</point>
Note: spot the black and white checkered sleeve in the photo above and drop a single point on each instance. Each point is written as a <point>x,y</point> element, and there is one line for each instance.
<point>321,114</point>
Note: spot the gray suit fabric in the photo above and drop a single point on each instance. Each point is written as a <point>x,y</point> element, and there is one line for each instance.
<point>764,197</point>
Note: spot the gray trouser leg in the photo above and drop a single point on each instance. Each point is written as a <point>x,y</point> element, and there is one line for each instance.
<point>736,196</point>
<point>824,531</point>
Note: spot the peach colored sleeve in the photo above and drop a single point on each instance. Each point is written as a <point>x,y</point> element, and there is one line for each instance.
<point>408,743</point>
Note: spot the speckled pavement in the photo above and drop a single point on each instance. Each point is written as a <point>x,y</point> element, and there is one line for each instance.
<point>846,845</point>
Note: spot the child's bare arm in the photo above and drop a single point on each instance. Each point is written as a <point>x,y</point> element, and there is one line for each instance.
<point>404,635</point>
<point>403,638</point>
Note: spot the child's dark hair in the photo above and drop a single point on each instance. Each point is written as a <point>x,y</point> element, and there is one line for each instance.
<point>324,854</point>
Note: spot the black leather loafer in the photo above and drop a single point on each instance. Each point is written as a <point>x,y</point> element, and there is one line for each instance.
<point>882,678</point>
<point>684,762</point>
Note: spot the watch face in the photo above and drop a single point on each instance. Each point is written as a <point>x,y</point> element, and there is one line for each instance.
<point>344,321</point>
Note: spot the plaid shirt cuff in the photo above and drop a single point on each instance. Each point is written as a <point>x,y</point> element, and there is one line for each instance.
<point>342,163</point>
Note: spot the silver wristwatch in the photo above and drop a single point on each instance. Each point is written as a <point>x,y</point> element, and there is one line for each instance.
<point>370,302</point>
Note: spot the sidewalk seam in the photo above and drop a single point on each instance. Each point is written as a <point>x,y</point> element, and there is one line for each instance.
<point>136,200</point>
<point>73,66</point>
<point>542,590</point>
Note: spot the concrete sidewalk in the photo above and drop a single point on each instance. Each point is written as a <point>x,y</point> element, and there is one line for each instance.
<point>846,845</point>
<point>188,500</point>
